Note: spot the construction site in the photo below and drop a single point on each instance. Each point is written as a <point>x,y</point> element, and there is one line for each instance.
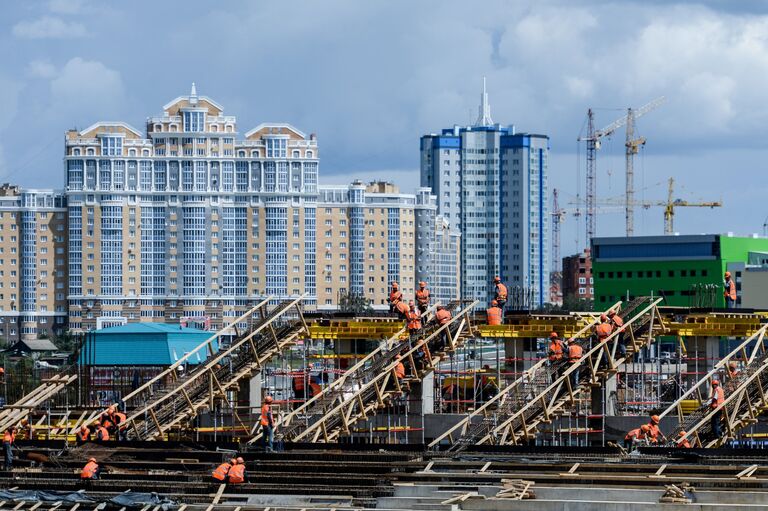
<point>458,414</point>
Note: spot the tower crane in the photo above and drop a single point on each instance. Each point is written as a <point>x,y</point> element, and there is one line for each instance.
<point>632,144</point>
<point>669,205</point>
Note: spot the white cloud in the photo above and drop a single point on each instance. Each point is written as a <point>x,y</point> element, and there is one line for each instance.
<point>86,89</point>
<point>41,69</point>
<point>65,6</point>
<point>48,27</point>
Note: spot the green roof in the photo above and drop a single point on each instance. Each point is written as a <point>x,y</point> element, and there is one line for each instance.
<point>147,344</point>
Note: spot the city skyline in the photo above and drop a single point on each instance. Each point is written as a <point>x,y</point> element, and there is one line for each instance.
<point>368,111</point>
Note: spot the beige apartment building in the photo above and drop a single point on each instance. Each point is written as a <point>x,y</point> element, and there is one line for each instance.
<point>33,264</point>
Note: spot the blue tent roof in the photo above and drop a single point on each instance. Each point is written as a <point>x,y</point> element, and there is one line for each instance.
<point>134,344</point>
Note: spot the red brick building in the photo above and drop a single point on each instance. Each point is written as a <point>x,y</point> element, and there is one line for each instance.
<point>577,276</point>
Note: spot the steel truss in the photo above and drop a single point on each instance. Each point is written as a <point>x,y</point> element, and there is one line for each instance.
<point>371,384</point>
<point>548,392</point>
<point>746,396</point>
<point>268,334</point>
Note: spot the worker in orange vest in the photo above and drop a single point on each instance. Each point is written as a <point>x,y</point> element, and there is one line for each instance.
<point>636,435</point>
<point>494,314</point>
<point>399,369</point>
<point>102,434</point>
<point>654,433</point>
<point>575,352</point>
<point>83,435</point>
<point>9,437</point>
<point>442,317</point>
<point>717,399</point>
<point>237,472</point>
<point>394,296</point>
<point>402,309</point>
<point>617,325</point>
<point>604,329</point>
<point>729,291</point>
<point>120,425</point>
<point>681,442</point>
<point>108,417</point>
<point>90,471</point>
<point>267,424</point>
<point>501,292</point>
<point>555,348</point>
<point>221,473</point>
<point>422,297</point>
<point>414,319</point>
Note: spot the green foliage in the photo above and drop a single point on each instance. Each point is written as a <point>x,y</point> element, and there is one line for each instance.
<point>66,341</point>
<point>356,304</point>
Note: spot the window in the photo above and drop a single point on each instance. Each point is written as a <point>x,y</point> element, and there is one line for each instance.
<point>582,280</point>
<point>582,291</point>
<point>111,146</point>
<point>276,147</point>
<point>194,121</point>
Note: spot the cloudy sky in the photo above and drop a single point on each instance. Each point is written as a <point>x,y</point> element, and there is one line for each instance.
<point>371,77</point>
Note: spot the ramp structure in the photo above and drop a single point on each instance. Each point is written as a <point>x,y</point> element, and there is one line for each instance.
<point>371,384</point>
<point>10,415</point>
<point>746,397</point>
<point>547,391</point>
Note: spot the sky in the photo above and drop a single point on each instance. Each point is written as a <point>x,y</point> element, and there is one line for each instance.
<point>370,77</point>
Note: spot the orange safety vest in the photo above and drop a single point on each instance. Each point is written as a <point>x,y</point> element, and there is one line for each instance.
<point>501,291</point>
<point>684,444</point>
<point>718,396</point>
<point>617,322</point>
<point>266,413</point>
<point>395,296</point>
<point>9,438</point>
<point>603,331</point>
<point>635,433</point>
<point>730,289</point>
<point>89,470</point>
<point>494,315</point>
<point>400,370</point>
<point>120,419</point>
<point>422,296</point>
<point>102,435</point>
<point>402,307</point>
<point>84,435</point>
<point>556,351</point>
<point>574,353</point>
<point>221,471</point>
<point>654,432</point>
<point>443,316</point>
<point>414,320</point>
<point>237,474</point>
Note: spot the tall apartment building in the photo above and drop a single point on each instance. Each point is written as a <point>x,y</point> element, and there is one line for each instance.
<point>33,265</point>
<point>188,218</point>
<point>438,253</point>
<point>491,185</point>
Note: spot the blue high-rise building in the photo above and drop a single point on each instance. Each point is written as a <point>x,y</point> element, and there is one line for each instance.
<point>491,184</point>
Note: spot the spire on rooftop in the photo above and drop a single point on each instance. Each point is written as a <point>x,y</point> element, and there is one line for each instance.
<point>193,94</point>
<point>484,113</point>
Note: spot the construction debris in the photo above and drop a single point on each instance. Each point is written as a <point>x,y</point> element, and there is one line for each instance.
<point>682,494</point>
<point>516,489</point>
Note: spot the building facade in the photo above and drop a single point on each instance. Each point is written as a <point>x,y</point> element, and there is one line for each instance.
<point>33,263</point>
<point>686,270</point>
<point>369,235</point>
<point>578,282</point>
<point>491,185</point>
<point>188,219</point>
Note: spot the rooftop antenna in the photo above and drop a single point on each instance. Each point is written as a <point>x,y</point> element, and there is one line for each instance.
<point>484,112</point>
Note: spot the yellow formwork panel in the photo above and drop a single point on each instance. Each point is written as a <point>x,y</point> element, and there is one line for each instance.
<point>528,327</point>
<point>351,329</point>
<point>714,325</point>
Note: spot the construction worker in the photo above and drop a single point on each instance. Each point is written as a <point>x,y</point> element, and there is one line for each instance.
<point>90,471</point>
<point>394,296</point>
<point>108,417</point>
<point>494,314</point>
<point>120,425</point>
<point>681,442</point>
<point>655,432</point>
<point>442,317</point>
<point>574,355</point>
<point>401,308</point>
<point>729,291</point>
<point>604,329</point>
<point>237,472</point>
<point>733,370</point>
<point>221,473</point>
<point>83,435</point>
<point>422,297</point>
<point>267,424</point>
<point>501,292</point>
<point>636,435</point>
<point>24,430</point>
<point>8,439</point>
<point>102,434</point>
<point>555,353</point>
<point>717,399</point>
<point>399,370</point>
<point>414,319</point>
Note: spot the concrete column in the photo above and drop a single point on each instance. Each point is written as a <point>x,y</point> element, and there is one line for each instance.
<point>520,355</point>
<point>427,389</point>
<point>254,393</point>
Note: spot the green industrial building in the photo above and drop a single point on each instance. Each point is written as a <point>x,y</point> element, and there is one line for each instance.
<point>686,270</point>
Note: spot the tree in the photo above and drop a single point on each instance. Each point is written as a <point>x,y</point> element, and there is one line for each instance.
<point>354,303</point>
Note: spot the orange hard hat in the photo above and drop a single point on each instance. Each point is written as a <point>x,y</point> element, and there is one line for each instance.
<point>83,428</point>
<point>645,427</point>
<point>715,382</point>
<point>611,313</point>
<point>494,303</point>
<point>268,399</point>
<point>394,284</point>
<point>655,419</point>
<point>497,279</point>
<point>553,335</point>
<point>732,364</point>
<point>422,284</point>
<point>92,460</point>
<point>24,422</point>
<point>2,371</point>
<point>240,460</point>
<point>682,433</point>
<point>233,461</point>
<point>727,274</point>
<point>603,317</point>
